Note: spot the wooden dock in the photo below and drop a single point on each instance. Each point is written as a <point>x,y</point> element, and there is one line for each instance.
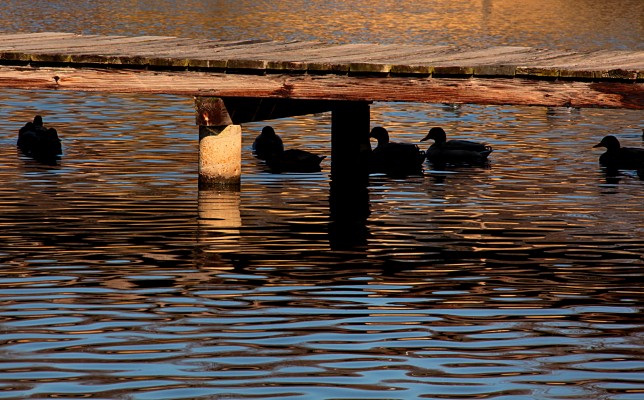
<point>320,71</point>
<point>252,80</point>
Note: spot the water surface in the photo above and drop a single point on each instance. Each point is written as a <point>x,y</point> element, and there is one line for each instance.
<point>120,280</point>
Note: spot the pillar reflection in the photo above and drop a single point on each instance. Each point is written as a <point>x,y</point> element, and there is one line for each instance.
<point>349,210</point>
<point>219,211</point>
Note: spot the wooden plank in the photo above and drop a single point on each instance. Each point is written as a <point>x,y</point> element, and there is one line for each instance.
<point>256,50</point>
<point>319,58</point>
<point>68,43</point>
<point>598,60</point>
<point>332,87</point>
<point>85,43</point>
<point>165,54</point>
<point>496,61</point>
<point>392,54</point>
<point>31,43</point>
<point>346,52</point>
<point>143,51</point>
<point>255,55</point>
<point>68,46</point>
<point>181,50</point>
<point>116,50</point>
<point>456,57</point>
<point>18,37</point>
<point>348,57</point>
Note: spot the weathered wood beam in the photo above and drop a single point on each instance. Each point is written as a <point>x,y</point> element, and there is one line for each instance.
<point>240,110</point>
<point>491,91</point>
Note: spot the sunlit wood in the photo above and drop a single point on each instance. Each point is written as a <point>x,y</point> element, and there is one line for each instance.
<point>318,71</point>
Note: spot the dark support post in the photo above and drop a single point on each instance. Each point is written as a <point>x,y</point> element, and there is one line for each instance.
<point>219,145</point>
<point>350,147</point>
<point>349,195</point>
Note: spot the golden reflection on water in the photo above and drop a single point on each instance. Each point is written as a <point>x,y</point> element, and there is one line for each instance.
<point>587,24</point>
<point>119,279</point>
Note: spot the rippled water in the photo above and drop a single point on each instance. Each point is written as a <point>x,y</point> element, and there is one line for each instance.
<point>120,280</point>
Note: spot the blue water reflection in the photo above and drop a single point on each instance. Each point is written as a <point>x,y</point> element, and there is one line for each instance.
<point>120,280</point>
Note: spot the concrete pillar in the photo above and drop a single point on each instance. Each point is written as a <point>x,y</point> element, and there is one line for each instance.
<point>219,145</point>
<point>220,156</point>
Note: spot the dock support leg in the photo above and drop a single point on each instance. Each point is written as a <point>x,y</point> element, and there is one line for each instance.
<point>349,195</point>
<point>350,146</point>
<point>220,156</point>
<point>219,145</point>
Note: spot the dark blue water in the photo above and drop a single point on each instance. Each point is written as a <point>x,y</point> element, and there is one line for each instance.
<point>120,280</point>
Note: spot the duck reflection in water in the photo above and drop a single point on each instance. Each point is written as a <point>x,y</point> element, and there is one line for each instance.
<point>38,142</point>
<point>618,158</point>
<point>455,152</point>
<point>268,146</point>
<point>395,158</point>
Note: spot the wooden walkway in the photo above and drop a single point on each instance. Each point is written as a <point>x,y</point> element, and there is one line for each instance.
<point>316,71</point>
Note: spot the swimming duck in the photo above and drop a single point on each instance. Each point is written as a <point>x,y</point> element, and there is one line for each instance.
<point>395,158</point>
<point>294,160</point>
<point>444,151</point>
<point>268,146</point>
<point>267,143</point>
<point>39,142</point>
<point>618,157</point>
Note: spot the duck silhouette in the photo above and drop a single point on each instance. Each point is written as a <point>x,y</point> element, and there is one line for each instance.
<point>268,146</point>
<point>618,157</point>
<point>39,142</point>
<point>459,152</point>
<point>395,158</point>
<point>267,143</point>
<point>294,160</point>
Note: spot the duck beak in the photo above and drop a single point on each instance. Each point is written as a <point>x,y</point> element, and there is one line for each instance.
<point>425,138</point>
<point>600,144</point>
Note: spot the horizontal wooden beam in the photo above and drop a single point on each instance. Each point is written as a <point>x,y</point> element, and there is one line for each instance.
<point>217,111</point>
<point>491,91</point>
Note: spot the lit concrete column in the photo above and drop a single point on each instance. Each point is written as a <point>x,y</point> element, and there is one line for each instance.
<point>219,145</point>
<point>219,156</point>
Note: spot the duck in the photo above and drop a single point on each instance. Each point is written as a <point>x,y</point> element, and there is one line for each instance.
<point>444,151</point>
<point>39,142</point>
<point>618,157</point>
<point>294,160</point>
<point>268,146</point>
<point>267,143</point>
<point>394,158</point>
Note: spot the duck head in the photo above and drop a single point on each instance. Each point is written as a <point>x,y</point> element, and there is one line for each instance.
<point>380,134</point>
<point>38,121</point>
<point>610,142</point>
<point>268,131</point>
<point>52,133</point>
<point>436,133</point>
